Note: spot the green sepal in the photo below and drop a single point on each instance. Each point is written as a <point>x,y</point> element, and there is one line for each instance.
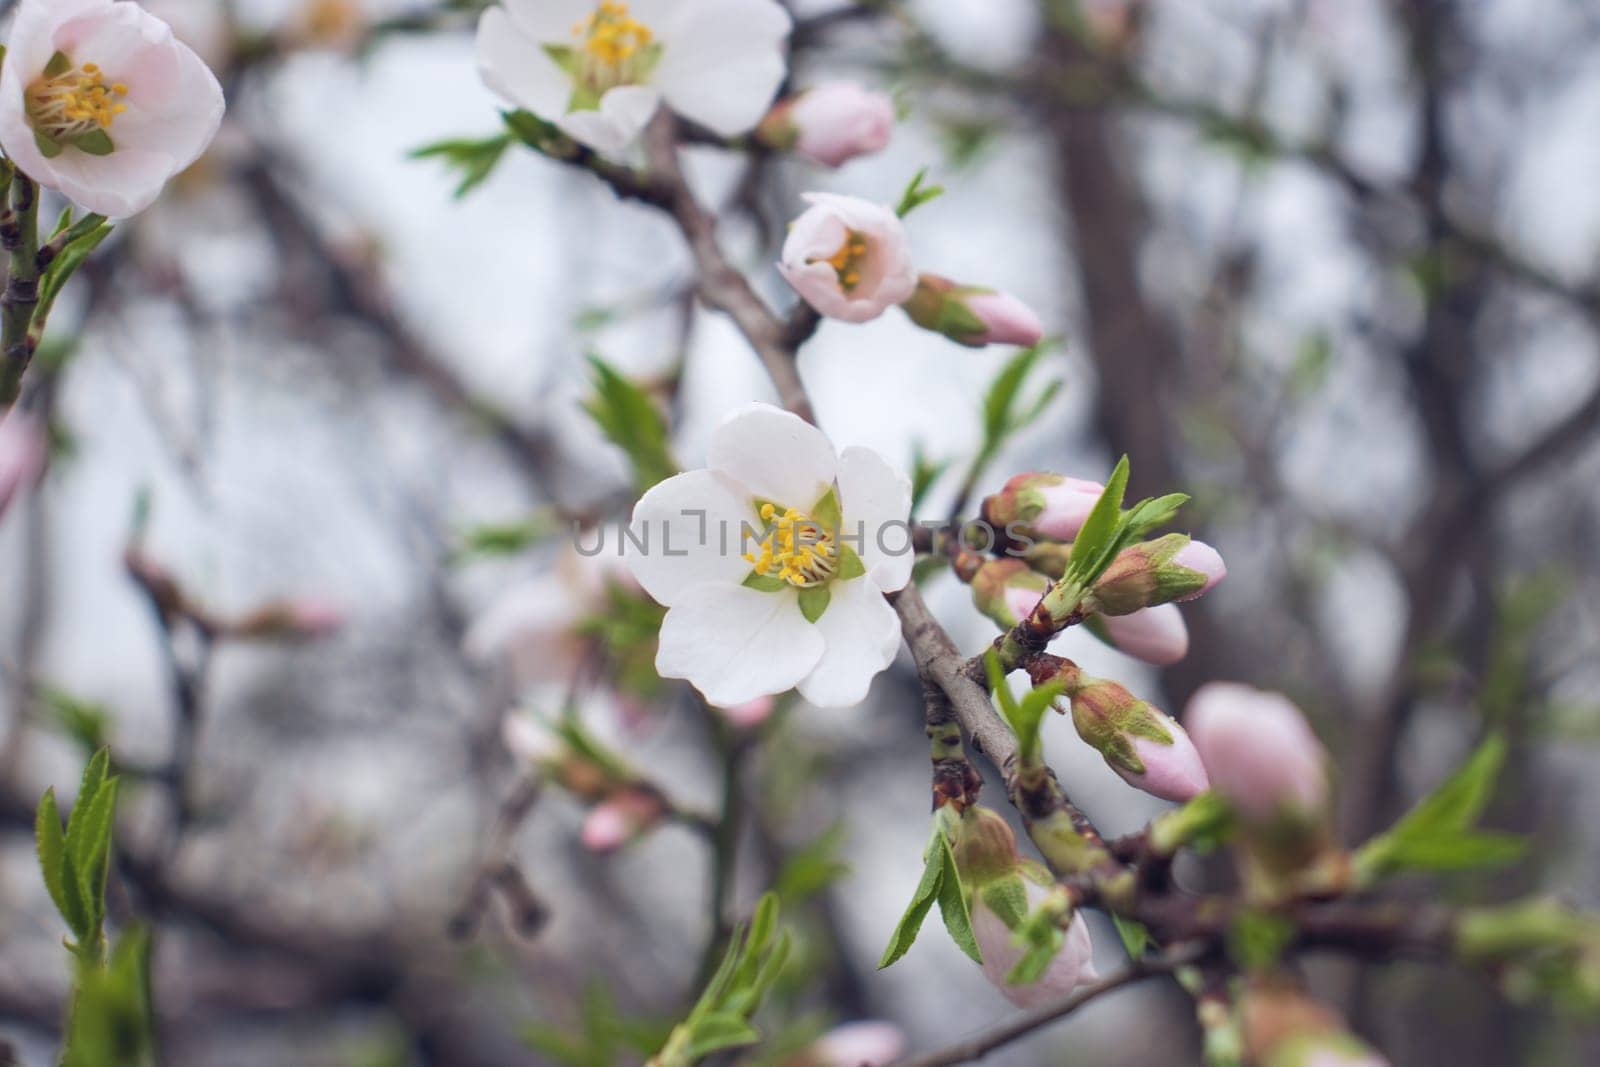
<point>850,565</point>
<point>563,56</point>
<point>59,64</point>
<point>96,143</point>
<point>1007,897</point>
<point>814,601</point>
<point>826,512</point>
<point>48,148</point>
<point>764,583</point>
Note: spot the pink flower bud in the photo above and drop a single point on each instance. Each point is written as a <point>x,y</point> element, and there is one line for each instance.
<point>619,819</point>
<point>24,447</point>
<point>1168,569</point>
<point>1006,320</point>
<point>1143,744</point>
<point>832,123</point>
<point>311,617</point>
<point>750,714</point>
<point>848,258</point>
<point>1156,635</point>
<point>1259,751</point>
<point>861,1044</point>
<point>1072,966</point>
<point>1042,505</point>
<point>970,315</point>
<point>1005,590</point>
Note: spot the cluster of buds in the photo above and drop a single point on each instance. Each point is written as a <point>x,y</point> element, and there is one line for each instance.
<point>1148,748</point>
<point>999,881</point>
<point>622,808</point>
<point>972,315</point>
<point>1264,760</point>
<point>1285,1028</point>
<point>830,124</point>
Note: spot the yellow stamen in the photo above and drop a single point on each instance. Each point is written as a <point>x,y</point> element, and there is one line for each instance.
<point>795,548</point>
<point>847,260</point>
<point>612,47</point>
<point>68,105</point>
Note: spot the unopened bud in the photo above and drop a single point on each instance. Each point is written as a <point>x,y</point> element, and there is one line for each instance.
<point>985,847</point>
<point>1042,505</point>
<point>830,124</point>
<point>869,1043</point>
<point>1155,635</point>
<point>1006,590</point>
<point>1168,569</point>
<point>307,618</point>
<point>1142,743</point>
<point>1259,751</point>
<point>971,315</point>
<point>1285,1028</point>
<point>750,714</point>
<point>619,819</point>
<point>1071,967</point>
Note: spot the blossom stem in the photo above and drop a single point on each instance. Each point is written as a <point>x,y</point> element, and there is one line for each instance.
<point>724,845</point>
<point>19,235</point>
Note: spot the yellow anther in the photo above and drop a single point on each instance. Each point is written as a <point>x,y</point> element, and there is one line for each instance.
<point>68,105</point>
<point>610,46</point>
<point>795,548</point>
<point>846,261</point>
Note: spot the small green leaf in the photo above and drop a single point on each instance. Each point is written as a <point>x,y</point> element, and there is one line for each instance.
<point>1134,934</point>
<point>927,891</point>
<point>814,601</point>
<point>96,143</point>
<point>924,474</point>
<point>916,194</point>
<point>94,774</point>
<point>1002,395</point>
<point>74,908</point>
<point>51,848</point>
<point>1095,536</point>
<point>813,866</point>
<point>1257,938</point>
<point>717,1031</point>
<point>631,420</point>
<point>953,904</point>
<point>474,160</point>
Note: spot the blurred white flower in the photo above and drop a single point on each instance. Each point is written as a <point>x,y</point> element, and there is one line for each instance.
<point>774,561</point>
<point>600,70</point>
<point>99,101</point>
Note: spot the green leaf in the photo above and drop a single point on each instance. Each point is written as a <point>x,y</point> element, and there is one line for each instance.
<point>1002,396</point>
<point>916,194</point>
<point>1098,530</point>
<point>717,1031</point>
<point>924,474</point>
<point>813,866</point>
<point>474,160</point>
<point>110,1022</point>
<point>927,891</point>
<point>953,904</point>
<point>1041,935</point>
<point>91,852</point>
<point>1134,934</point>
<point>74,908</point>
<point>1436,834</point>
<point>631,420</point>
<point>814,601</point>
<point>763,924</point>
<point>1257,938</point>
<point>94,774</point>
<point>51,848</point>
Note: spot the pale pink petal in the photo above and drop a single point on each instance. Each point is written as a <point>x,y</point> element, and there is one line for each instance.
<point>1156,635</point>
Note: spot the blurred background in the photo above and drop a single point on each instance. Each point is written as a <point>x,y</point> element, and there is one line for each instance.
<point>1330,266</point>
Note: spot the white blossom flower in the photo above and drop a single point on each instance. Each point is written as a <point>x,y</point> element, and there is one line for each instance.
<point>849,258</point>
<point>599,70</point>
<point>774,561</point>
<point>99,101</point>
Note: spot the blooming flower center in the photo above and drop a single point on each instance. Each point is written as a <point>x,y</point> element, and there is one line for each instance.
<point>68,101</point>
<point>613,49</point>
<point>846,262</point>
<point>795,549</point>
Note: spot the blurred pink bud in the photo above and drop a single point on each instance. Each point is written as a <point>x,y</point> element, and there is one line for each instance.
<point>1072,966</point>
<point>848,258</point>
<point>1006,320</point>
<point>24,447</point>
<point>971,315</point>
<point>619,819</point>
<point>861,1044</point>
<point>1259,750</point>
<point>1199,556</point>
<point>833,123</point>
<point>1156,635</point>
<point>750,714</point>
<point>312,617</point>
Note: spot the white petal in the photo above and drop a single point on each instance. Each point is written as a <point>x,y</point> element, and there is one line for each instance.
<point>686,532</point>
<point>30,45</point>
<point>876,503</point>
<point>174,105</point>
<point>722,62</point>
<point>624,113</point>
<point>862,634</point>
<point>549,21</point>
<point>514,65</point>
<point>778,455</point>
<point>736,644</point>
